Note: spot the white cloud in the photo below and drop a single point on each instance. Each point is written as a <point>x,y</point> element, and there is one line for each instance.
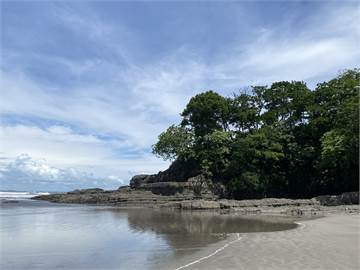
<point>62,147</point>
<point>37,175</point>
<point>56,143</point>
<point>104,108</point>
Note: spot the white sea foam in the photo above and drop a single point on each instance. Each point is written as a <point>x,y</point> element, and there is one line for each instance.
<point>20,194</point>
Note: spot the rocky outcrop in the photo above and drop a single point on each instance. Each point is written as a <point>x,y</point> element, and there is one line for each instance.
<point>197,187</point>
<point>179,171</point>
<point>346,198</point>
<point>121,197</point>
<point>130,197</point>
<point>86,191</point>
<point>166,188</point>
<point>138,180</point>
<point>169,183</point>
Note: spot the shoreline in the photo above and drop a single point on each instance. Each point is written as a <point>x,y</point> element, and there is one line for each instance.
<point>329,242</point>
<point>130,198</point>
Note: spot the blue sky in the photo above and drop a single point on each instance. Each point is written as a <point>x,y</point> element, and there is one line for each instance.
<point>86,87</point>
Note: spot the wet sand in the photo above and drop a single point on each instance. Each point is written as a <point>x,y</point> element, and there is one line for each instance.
<point>42,235</point>
<point>331,242</point>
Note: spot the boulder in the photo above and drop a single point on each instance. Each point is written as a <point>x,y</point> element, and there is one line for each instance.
<point>138,180</point>
<point>350,198</point>
<point>179,171</point>
<point>342,199</point>
<point>196,187</point>
<point>199,185</point>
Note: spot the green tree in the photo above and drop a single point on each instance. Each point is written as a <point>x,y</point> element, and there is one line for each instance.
<point>205,113</point>
<point>258,155</point>
<point>244,112</point>
<point>175,143</point>
<point>330,98</point>
<point>335,121</point>
<point>282,140</point>
<point>214,154</point>
<point>286,103</point>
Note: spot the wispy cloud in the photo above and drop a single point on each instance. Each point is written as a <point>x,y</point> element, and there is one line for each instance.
<point>327,44</point>
<point>64,148</point>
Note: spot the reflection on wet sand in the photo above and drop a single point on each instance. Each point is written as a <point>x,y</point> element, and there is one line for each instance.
<point>41,235</point>
<point>197,228</point>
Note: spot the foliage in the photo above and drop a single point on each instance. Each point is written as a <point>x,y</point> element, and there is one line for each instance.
<point>206,113</point>
<point>282,140</point>
<point>175,142</point>
<point>214,153</point>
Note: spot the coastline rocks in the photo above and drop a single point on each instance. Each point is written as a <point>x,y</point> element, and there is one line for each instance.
<point>164,188</point>
<point>86,191</point>
<point>128,197</point>
<point>182,178</point>
<point>346,198</point>
<point>185,200</point>
<point>138,180</point>
<point>122,188</point>
<point>201,187</point>
<point>350,198</point>
<point>197,193</point>
<point>121,197</point>
<point>197,186</point>
<point>179,171</point>
<point>268,202</point>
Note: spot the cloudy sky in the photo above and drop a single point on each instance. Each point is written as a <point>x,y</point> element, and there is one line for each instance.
<point>86,87</point>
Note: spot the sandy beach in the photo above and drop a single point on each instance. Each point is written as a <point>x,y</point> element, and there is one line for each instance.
<point>331,242</point>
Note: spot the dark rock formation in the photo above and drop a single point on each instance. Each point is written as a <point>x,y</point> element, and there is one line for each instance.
<point>180,178</point>
<point>138,180</point>
<point>124,188</point>
<point>346,198</point>
<point>121,197</point>
<point>166,188</point>
<point>128,197</point>
<point>179,171</point>
<point>86,191</point>
<point>197,187</point>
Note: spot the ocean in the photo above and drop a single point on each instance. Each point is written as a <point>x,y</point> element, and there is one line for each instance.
<point>19,194</point>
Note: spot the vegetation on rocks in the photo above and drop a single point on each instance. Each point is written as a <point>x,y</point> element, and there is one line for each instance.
<point>283,140</point>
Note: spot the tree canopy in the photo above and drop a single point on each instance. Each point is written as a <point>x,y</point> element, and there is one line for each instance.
<point>277,140</point>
